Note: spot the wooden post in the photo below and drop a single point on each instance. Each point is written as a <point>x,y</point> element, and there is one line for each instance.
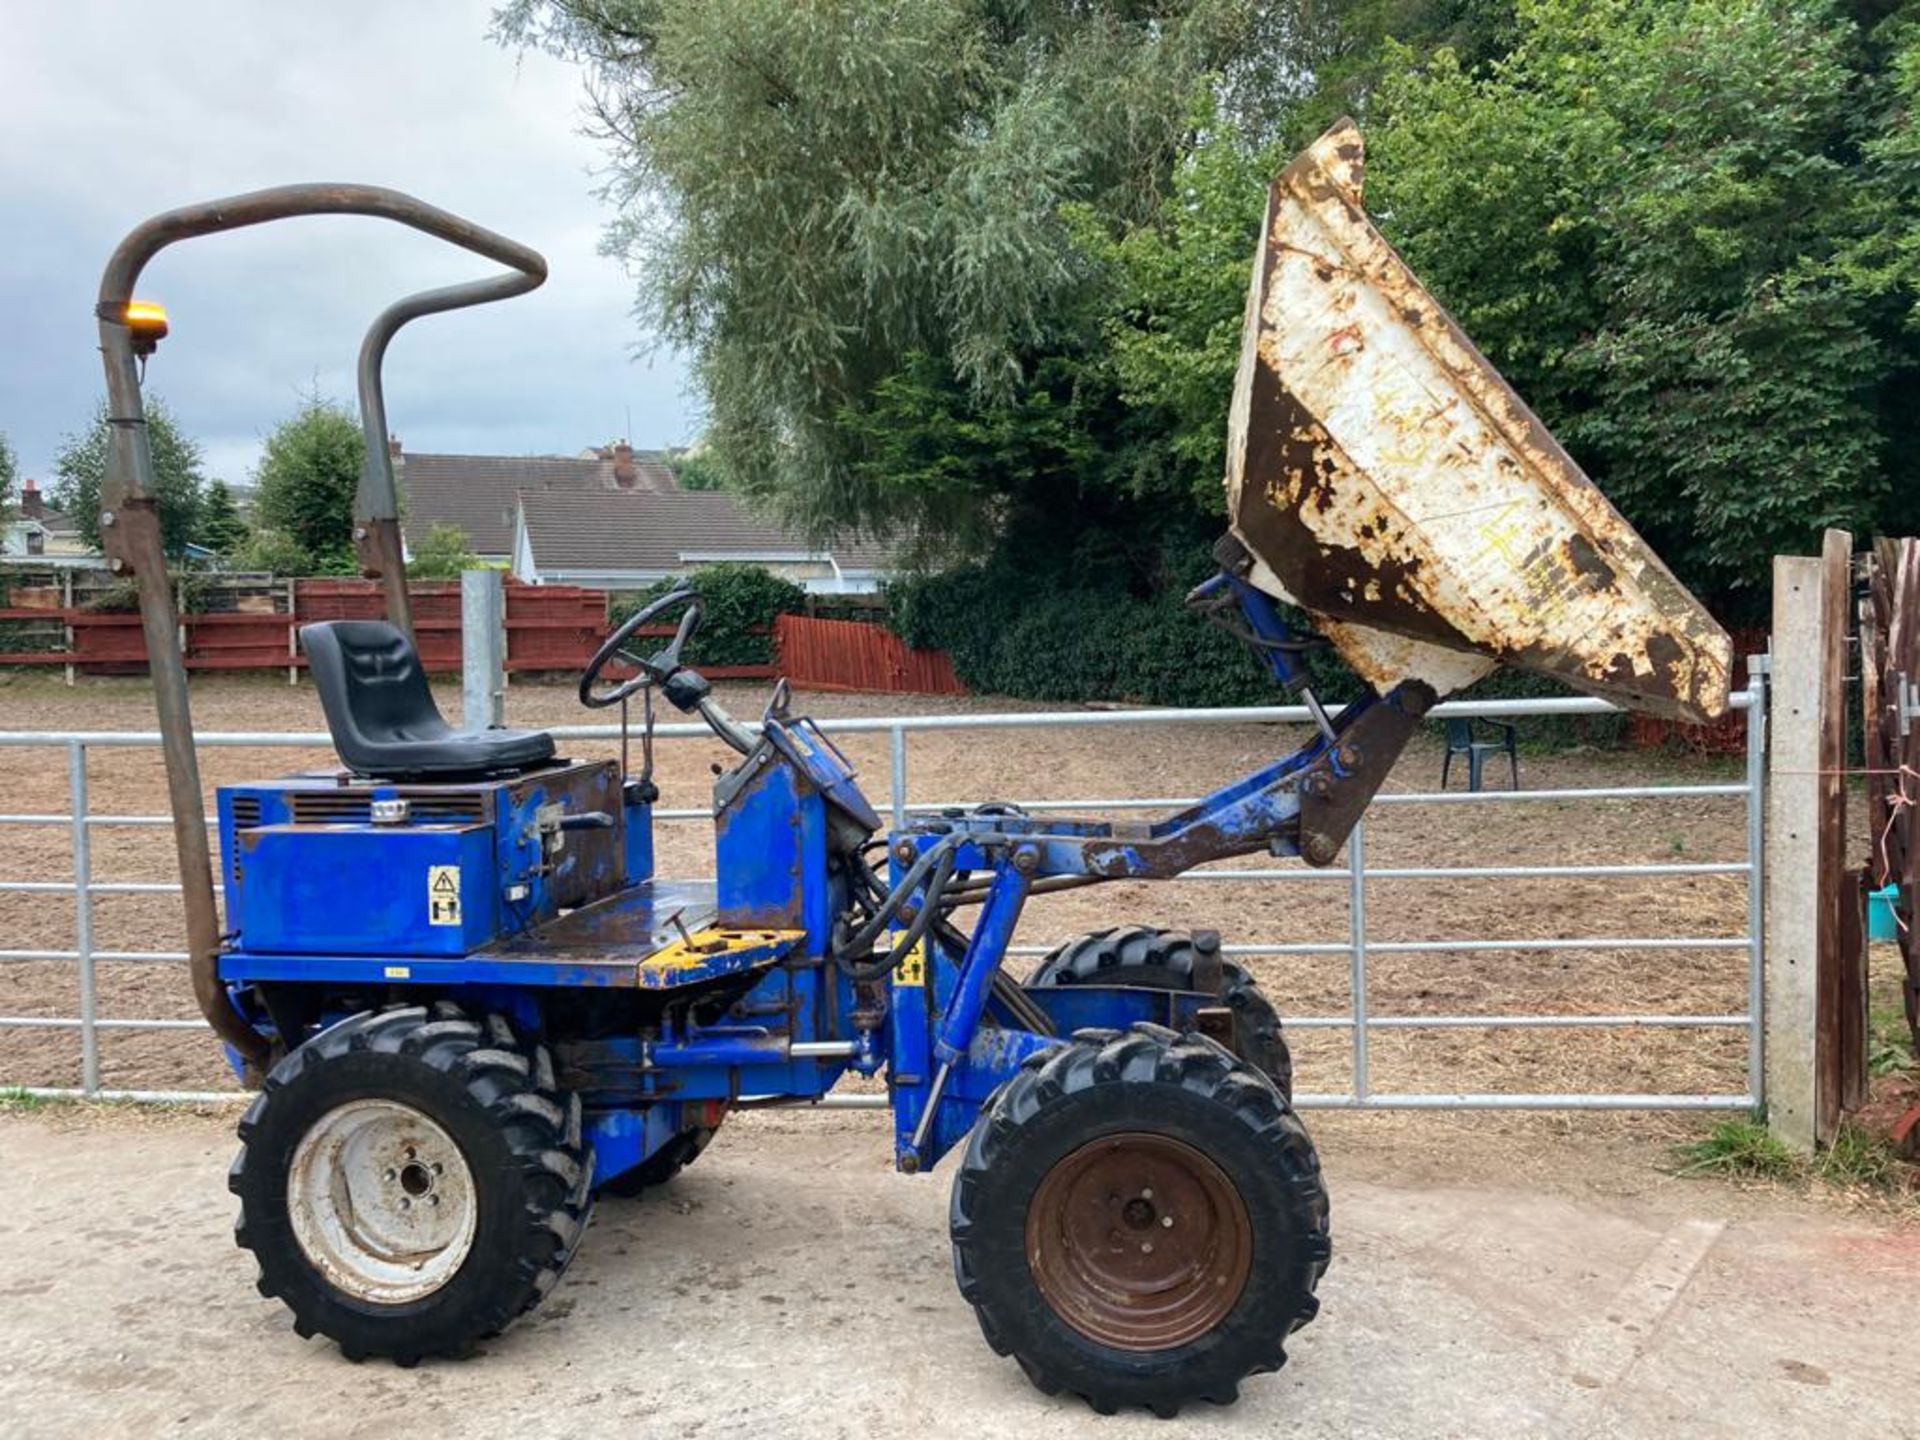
<point>1840,1039</point>
<point>1806,834</point>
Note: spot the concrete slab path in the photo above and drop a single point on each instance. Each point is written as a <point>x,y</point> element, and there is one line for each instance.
<point>791,1285</point>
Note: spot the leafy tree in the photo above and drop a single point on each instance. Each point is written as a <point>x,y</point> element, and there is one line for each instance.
<point>825,197</point>
<point>305,484</point>
<point>696,470</point>
<point>81,465</point>
<point>442,554</point>
<point>741,603</point>
<point>1354,48</point>
<point>979,267</point>
<point>275,552</point>
<point>9,477</point>
<point>1175,300</point>
<point>223,529</point>
<point>1650,215</point>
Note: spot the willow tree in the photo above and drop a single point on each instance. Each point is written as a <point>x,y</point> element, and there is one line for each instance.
<point>826,201</point>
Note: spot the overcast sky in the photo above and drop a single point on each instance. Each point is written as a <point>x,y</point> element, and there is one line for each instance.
<point>110,112</point>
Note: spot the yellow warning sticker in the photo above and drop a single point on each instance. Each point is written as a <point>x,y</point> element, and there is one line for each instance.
<point>443,894</point>
<point>912,970</point>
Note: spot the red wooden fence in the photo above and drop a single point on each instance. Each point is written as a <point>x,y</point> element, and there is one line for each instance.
<point>554,628</point>
<point>855,655</point>
<point>549,627</point>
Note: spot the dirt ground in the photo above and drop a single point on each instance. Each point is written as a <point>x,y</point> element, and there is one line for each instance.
<point>1497,1273</point>
<point>789,1285</point>
<point>1108,761</point>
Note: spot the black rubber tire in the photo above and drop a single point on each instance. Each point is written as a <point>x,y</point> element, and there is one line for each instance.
<point>496,1098</point>
<point>1192,1090</point>
<point>661,1166</point>
<point>1165,960</point>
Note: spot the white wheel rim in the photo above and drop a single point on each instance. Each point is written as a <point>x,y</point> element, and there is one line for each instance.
<point>381,1201</point>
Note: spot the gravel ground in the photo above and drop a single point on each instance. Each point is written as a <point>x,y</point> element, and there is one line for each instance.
<point>1115,761</point>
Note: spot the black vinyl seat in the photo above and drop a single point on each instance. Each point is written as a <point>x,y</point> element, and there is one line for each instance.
<point>382,715</point>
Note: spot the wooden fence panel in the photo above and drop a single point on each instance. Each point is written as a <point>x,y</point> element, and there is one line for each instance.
<point>1890,673</point>
<point>550,628</point>
<point>855,655</point>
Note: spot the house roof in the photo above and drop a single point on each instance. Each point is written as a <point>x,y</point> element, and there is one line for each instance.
<point>478,492</point>
<point>57,522</point>
<point>598,532</point>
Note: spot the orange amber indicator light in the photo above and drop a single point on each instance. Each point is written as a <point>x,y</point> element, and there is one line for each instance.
<point>147,324</point>
<point>147,317</point>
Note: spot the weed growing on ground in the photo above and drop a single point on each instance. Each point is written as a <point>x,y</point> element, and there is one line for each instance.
<point>1744,1149</point>
<point>14,1100</point>
<point>1889,1042</point>
<point>1859,1157</point>
<point>1741,1149</point>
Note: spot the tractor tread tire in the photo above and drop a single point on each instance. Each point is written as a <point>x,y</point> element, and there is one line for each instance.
<point>661,1166</point>
<point>534,1175</point>
<point>1165,960</point>
<point>1146,1078</point>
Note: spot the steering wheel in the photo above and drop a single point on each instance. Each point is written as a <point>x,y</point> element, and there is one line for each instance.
<point>655,669</point>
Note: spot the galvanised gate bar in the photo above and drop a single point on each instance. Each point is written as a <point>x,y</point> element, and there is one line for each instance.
<point>1359,1020</point>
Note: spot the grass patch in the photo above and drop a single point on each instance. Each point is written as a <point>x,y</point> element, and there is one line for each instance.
<point>16,1101</point>
<point>1741,1149</point>
<point>1859,1157</point>
<point>1889,1042</point>
<point>1744,1149</point>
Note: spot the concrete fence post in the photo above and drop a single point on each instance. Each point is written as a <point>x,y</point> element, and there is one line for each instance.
<point>483,648</point>
<point>1804,840</point>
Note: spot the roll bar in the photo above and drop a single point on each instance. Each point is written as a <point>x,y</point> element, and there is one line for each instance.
<point>129,515</point>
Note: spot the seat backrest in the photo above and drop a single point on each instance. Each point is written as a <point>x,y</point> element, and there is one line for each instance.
<point>1459,734</point>
<point>372,687</point>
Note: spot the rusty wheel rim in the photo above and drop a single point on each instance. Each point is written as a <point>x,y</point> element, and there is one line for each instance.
<point>1139,1241</point>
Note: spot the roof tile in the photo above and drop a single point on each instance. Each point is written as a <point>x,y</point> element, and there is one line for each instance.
<point>478,492</point>
<point>652,532</point>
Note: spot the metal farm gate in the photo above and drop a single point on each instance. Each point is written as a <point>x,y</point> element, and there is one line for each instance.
<point>1358,1018</point>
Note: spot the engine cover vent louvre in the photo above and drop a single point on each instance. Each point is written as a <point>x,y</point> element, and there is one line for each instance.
<point>355,807</point>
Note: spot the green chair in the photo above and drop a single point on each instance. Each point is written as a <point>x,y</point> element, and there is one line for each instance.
<point>1461,741</point>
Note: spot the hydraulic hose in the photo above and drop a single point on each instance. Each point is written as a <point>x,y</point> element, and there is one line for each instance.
<point>916,929</point>
<point>862,939</point>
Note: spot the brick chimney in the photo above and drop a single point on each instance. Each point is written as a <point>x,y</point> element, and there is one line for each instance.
<point>625,473</point>
<point>393,446</point>
<point>31,504</point>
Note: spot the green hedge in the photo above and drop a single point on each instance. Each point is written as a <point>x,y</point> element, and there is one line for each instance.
<point>1009,636</point>
<point>741,603</point>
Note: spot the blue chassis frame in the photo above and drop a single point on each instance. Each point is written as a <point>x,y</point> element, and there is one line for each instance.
<point>923,1025</point>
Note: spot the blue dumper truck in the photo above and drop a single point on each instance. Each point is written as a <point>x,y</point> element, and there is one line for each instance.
<point>470,1006</point>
